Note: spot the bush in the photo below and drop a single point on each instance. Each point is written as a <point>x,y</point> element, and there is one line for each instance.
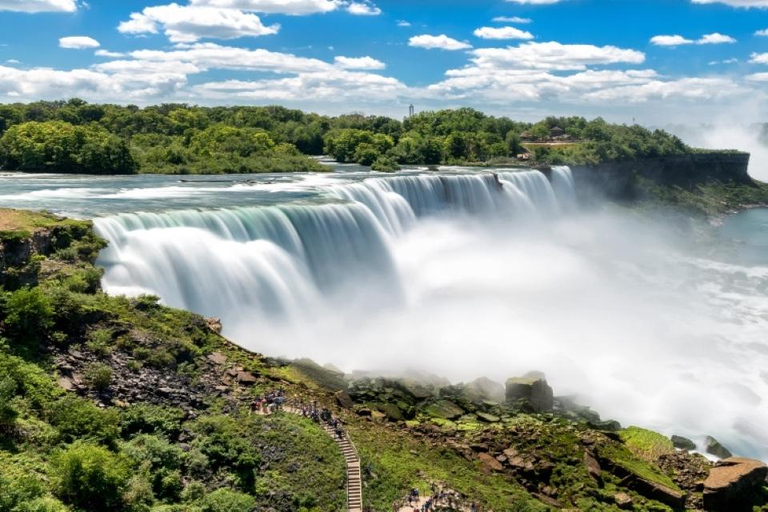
<point>77,418</point>
<point>161,460</point>
<point>28,314</point>
<point>8,412</point>
<point>385,164</point>
<point>227,500</point>
<point>151,419</point>
<point>17,490</point>
<point>42,505</point>
<point>100,341</point>
<point>98,376</point>
<point>90,477</point>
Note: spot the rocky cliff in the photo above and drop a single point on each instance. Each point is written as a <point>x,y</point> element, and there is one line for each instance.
<point>623,180</point>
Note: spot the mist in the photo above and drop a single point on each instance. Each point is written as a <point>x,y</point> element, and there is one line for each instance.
<point>613,309</point>
<point>729,135</point>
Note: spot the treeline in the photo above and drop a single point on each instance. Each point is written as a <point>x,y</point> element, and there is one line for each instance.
<point>75,136</point>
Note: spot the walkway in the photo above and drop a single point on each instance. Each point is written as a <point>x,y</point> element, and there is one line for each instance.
<point>351,460</point>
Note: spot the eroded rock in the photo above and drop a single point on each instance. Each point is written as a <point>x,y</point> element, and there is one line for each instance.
<point>731,484</point>
<point>531,388</point>
<point>713,447</point>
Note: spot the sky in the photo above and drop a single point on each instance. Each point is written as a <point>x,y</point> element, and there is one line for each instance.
<point>652,61</point>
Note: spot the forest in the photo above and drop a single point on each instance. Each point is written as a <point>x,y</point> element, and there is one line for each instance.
<point>78,137</point>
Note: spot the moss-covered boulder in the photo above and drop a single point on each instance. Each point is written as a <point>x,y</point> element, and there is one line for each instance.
<point>445,409</point>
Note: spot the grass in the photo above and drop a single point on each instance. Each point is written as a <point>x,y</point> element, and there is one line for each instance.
<point>397,463</point>
<point>709,200</point>
<point>646,444</point>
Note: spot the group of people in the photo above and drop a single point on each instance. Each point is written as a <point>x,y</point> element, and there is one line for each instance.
<point>438,498</point>
<point>269,403</point>
<point>323,415</point>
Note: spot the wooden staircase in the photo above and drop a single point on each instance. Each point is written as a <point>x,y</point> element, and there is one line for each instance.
<point>351,460</point>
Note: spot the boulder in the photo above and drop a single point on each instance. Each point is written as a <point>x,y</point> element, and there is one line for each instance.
<point>531,388</point>
<point>713,447</point>
<point>732,484</point>
<point>485,389</point>
<point>657,491</point>
<point>490,461</point>
<point>246,378</point>
<point>593,467</point>
<point>623,500</point>
<point>445,409</point>
<point>683,443</point>
<point>214,324</point>
<point>488,418</point>
<point>343,399</point>
<point>217,358</point>
<point>391,412</point>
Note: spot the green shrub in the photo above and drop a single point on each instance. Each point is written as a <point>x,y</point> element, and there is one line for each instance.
<point>46,504</point>
<point>151,419</point>
<point>100,341</point>
<point>77,418</point>
<point>28,314</point>
<point>138,495</point>
<point>31,383</point>
<point>98,376</point>
<point>8,412</point>
<point>18,489</point>
<point>227,500</point>
<point>161,460</point>
<point>90,477</point>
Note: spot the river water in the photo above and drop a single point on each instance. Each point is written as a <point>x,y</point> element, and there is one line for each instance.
<point>460,274</point>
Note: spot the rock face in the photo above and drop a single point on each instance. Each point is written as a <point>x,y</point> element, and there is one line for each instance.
<point>731,484</point>
<point>445,409</point>
<point>715,448</point>
<point>486,389</point>
<point>531,388</point>
<point>683,443</point>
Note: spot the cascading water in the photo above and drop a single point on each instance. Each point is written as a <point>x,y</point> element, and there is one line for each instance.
<point>243,264</point>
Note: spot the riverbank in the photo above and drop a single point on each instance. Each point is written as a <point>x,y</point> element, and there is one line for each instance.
<point>159,401</point>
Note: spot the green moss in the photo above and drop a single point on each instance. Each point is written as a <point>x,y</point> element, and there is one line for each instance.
<point>646,444</point>
<point>624,458</point>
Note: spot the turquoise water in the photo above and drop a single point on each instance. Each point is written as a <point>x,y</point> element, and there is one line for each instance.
<point>748,230</point>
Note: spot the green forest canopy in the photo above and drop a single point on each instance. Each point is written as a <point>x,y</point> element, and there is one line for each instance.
<point>78,137</point>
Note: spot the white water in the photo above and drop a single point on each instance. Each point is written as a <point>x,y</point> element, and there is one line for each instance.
<point>473,275</point>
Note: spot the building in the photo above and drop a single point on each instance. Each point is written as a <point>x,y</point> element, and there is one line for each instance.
<point>556,132</point>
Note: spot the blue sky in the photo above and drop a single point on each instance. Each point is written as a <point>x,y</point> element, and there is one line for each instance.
<point>670,60</point>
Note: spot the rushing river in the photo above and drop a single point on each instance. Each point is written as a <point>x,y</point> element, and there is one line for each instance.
<point>462,274</point>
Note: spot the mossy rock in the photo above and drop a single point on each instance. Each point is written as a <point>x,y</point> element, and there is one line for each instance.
<point>488,418</point>
<point>391,412</point>
<point>445,409</point>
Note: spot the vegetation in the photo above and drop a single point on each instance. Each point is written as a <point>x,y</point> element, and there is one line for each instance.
<point>75,136</point>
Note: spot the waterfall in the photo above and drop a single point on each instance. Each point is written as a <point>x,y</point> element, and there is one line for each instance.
<point>268,261</point>
<point>564,187</point>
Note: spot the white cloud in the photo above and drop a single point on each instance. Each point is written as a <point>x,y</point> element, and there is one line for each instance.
<point>759,58</point>
<point>291,7</point>
<point>762,33</point>
<point>441,42</point>
<point>675,40</point>
<point>747,4</point>
<point>758,77</point>
<point>13,61</point>
<point>184,24</point>
<point>363,9</point>
<point>693,89</point>
<point>403,23</point>
<point>512,19</point>
<point>502,33</point>
<point>359,63</point>
<point>107,53</point>
<point>554,55</point>
<point>716,38</point>
<point>38,5</point>
<point>78,42</point>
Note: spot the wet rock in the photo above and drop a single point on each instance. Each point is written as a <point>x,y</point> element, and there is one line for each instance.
<point>683,443</point>
<point>343,399</point>
<point>445,409</point>
<point>533,389</point>
<point>713,447</point>
<point>732,484</point>
<point>490,461</point>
